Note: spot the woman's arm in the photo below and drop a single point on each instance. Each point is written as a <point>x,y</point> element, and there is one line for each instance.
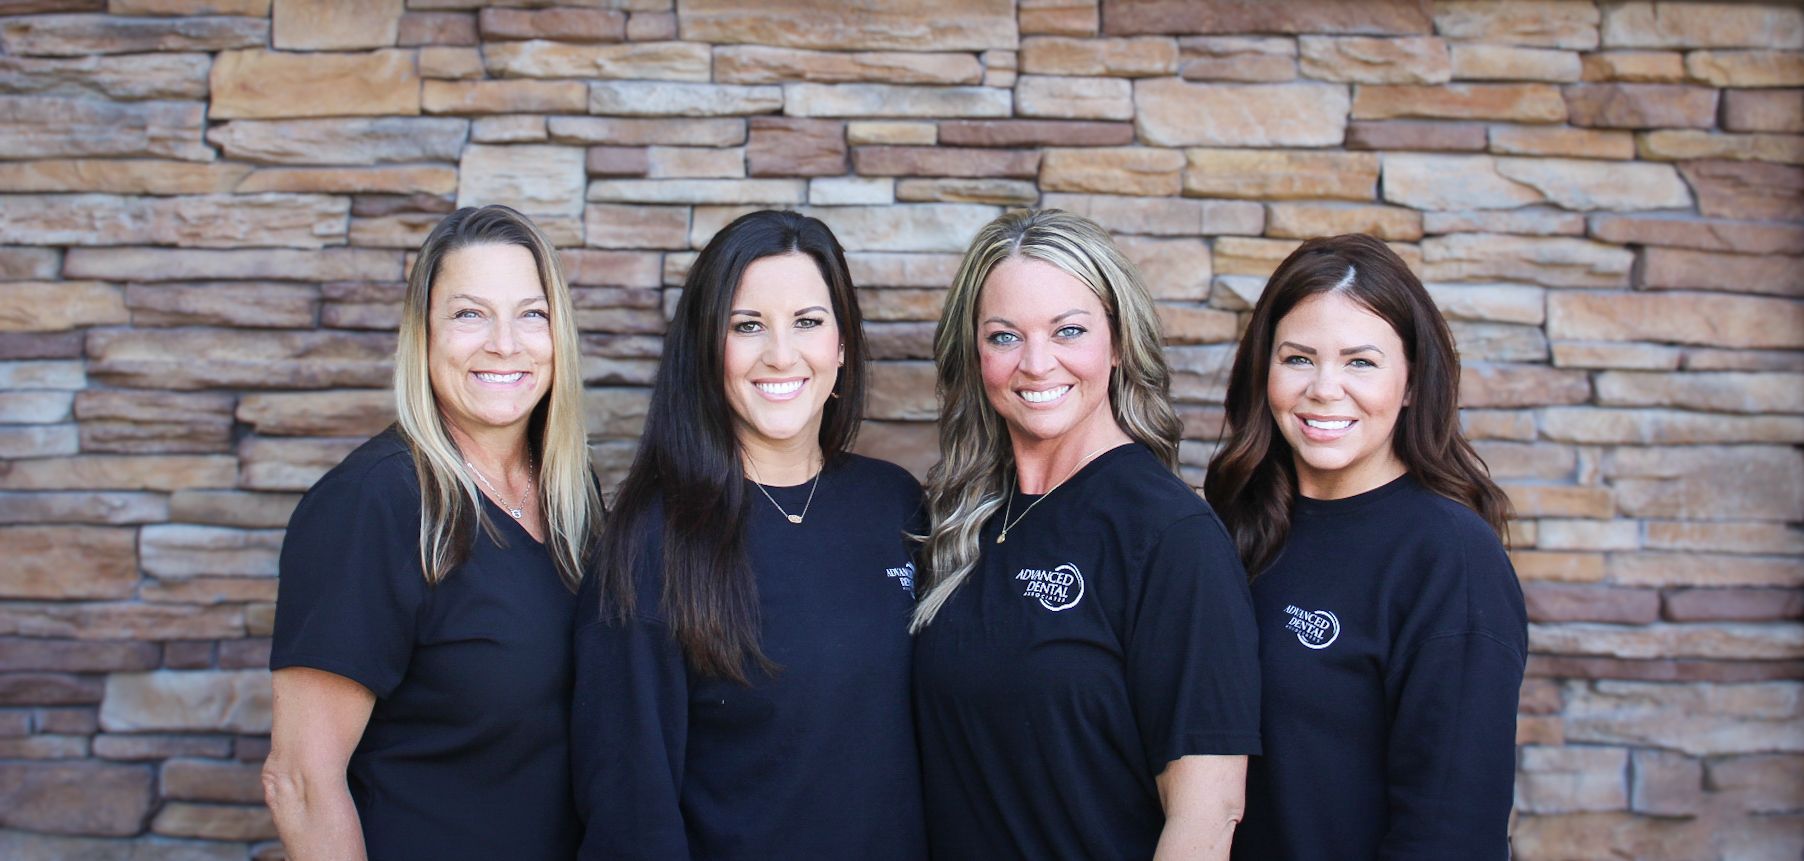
<point>319,717</point>
<point>1204,798</point>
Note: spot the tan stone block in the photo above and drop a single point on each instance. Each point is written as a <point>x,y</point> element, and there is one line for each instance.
<point>1759,483</point>
<point>129,76</point>
<point>911,445</point>
<point>1529,220</point>
<point>881,133</point>
<point>173,551</point>
<point>1606,354</point>
<point>1003,192</point>
<point>165,472</point>
<point>121,176</point>
<point>1172,269</point>
<point>1235,255</point>
<point>1499,342</point>
<point>1176,113</point>
<point>1128,58</point>
<point>1584,184</point>
<point>424,179</point>
<point>1030,133</point>
<point>450,63</point>
<point>251,8</point>
<point>1498,303</point>
<point>1548,261</point>
<point>23,264</point>
<point>1452,182</point>
<point>325,25</point>
<point>1540,565</point>
<point>659,61</point>
<point>1542,23</point>
<point>953,25</point>
<point>45,306</point>
<point>878,269</point>
<point>1247,59</point>
<point>699,191</point>
<point>68,562</point>
<point>660,98</point>
<point>1729,189</point>
<point>1528,103</point>
<point>1368,60</point>
<point>82,35</point>
<point>173,700</point>
<point>1666,784</point>
<point>1163,216</point>
<point>1641,106</point>
<point>1126,170</point>
<point>289,463</point>
<point>1074,98</point>
<point>1483,384</point>
<point>1672,268</point>
<point>342,412</point>
<point>1533,500</point>
<point>1663,427</point>
<point>190,779</point>
<point>210,358</point>
<point>1571,779</point>
<point>379,140</point>
<point>1195,324</point>
<point>761,64</point>
<point>123,620</point>
<point>612,268</point>
<point>1307,220</point>
<point>1379,17</point>
<point>247,304</point>
<point>902,391</point>
<point>1687,145</point>
<point>55,127</point>
<point>501,97</point>
<point>232,508</point>
<point>664,162</point>
<point>1498,424</point>
<point>1531,461</point>
<point>167,264</point>
<point>206,221</point>
<point>1415,135</point>
<point>42,375</point>
<point>1510,63</point>
<point>1746,321</point>
<point>1281,174</point>
<point>945,161</point>
<point>1539,729</point>
<point>1562,141</point>
<point>1763,111</point>
<point>1719,392</point>
<point>566,24</point>
<point>617,161</point>
<point>650,26</point>
<point>37,407</point>
<point>642,132</point>
<point>535,179</point>
<point>214,821</point>
<point>89,798</point>
<point>858,190</point>
<point>1746,68</point>
<point>1762,783</point>
<point>1634,67</point>
<point>1554,534</point>
<point>267,84</point>
<point>1703,569</point>
<point>1646,24</point>
<point>436,28</point>
<point>903,304</point>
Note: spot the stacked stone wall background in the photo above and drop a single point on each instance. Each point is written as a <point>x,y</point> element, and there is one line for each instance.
<point>207,206</point>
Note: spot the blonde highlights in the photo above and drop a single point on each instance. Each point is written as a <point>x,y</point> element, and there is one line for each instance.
<point>556,436</point>
<point>967,485</point>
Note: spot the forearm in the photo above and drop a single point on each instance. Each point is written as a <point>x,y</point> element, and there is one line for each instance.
<point>1197,836</point>
<point>315,819</point>
<point>1204,799</point>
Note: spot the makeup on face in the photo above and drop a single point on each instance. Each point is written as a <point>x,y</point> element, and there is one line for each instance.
<point>782,352</point>
<point>490,346</point>
<point>1045,351</point>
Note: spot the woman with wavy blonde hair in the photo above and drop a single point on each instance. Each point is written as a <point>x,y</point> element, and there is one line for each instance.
<point>1085,670</point>
<point>422,642</point>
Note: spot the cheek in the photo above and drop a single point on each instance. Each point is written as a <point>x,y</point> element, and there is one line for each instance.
<point>996,368</point>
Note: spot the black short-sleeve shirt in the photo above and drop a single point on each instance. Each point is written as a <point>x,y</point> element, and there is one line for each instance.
<point>817,761</point>
<point>1111,634</point>
<point>466,751</point>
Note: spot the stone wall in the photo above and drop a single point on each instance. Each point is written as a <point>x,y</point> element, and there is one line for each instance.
<point>206,208</point>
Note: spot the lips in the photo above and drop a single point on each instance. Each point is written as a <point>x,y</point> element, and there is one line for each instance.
<point>499,378</point>
<point>1043,396</point>
<point>780,390</point>
<point>1325,429</point>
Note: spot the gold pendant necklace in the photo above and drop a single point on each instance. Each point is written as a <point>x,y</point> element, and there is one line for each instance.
<point>812,487</point>
<point>1006,525</point>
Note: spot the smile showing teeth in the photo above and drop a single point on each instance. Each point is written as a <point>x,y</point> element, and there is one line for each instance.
<point>785,388</point>
<point>500,378</point>
<point>1341,424</point>
<point>1045,396</point>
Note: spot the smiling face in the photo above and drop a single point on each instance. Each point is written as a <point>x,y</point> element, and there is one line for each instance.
<point>1338,382</point>
<point>1046,353</point>
<point>782,353</point>
<point>489,352</point>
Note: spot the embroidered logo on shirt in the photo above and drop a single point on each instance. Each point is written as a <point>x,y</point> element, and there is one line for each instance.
<point>1317,629</point>
<point>1058,589</point>
<point>904,575</point>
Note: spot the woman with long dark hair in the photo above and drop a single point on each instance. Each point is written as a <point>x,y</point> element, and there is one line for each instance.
<point>1392,629</point>
<point>742,652</point>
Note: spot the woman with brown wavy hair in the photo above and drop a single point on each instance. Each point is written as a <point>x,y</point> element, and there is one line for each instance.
<point>1392,628</point>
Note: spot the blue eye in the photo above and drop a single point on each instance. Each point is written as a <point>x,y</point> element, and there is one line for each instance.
<point>747,327</point>
<point>541,314</point>
<point>1002,339</point>
<point>465,314</point>
<point>810,323</point>
<point>1295,360</point>
<point>1070,331</point>
<point>1363,363</point>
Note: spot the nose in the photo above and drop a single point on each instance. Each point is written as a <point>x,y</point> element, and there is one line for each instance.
<point>1324,384</point>
<point>501,338</point>
<point>779,348</point>
<point>1036,357</point>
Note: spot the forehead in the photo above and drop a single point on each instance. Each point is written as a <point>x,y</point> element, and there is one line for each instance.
<point>1023,285</point>
<point>1332,319</point>
<point>491,271</point>
<point>790,279</point>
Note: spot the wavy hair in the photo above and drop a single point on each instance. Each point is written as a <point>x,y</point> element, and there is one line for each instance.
<point>450,504</point>
<point>1252,479</point>
<point>689,455</point>
<point>967,485</point>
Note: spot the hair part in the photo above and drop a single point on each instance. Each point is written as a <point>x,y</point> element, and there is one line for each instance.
<point>450,503</point>
<point>968,484</point>
<point>1252,479</point>
<point>690,459</point>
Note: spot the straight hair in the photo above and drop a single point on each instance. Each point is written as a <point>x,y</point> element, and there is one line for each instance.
<point>1252,479</point>
<point>689,456</point>
<point>450,503</point>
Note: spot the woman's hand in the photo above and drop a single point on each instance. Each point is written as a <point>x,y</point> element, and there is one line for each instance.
<point>319,718</point>
<point>1204,798</point>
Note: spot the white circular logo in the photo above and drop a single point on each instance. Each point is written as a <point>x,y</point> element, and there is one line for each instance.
<point>1317,629</point>
<point>1058,589</point>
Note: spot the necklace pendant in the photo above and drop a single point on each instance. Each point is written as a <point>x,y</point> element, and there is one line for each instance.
<point>794,518</point>
<point>517,513</point>
<point>1001,538</point>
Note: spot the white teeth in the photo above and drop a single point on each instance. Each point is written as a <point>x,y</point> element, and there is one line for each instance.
<point>779,388</point>
<point>501,378</point>
<point>1045,396</point>
<point>1343,424</point>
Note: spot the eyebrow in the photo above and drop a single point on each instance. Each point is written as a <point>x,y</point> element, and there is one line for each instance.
<point>1009,323</point>
<point>742,312</point>
<point>1362,348</point>
<point>481,301</point>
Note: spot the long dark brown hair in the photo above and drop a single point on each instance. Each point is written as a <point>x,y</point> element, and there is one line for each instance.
<point>1252,480</point>
<point>689,456</point>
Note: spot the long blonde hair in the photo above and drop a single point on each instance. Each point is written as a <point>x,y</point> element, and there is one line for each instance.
<point>449,500</point>
<point>967,485</point>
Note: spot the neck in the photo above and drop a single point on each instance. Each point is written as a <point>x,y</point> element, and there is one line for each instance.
<point>1340,484</point>
<point>781,465</point>
<point>1042,464</point>
<point>501,454</point>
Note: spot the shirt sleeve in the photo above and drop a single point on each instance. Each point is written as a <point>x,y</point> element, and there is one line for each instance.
<point>629,725</point>
<point>1192,651</point>
<point>350,589</point>
<point>1451,761</point>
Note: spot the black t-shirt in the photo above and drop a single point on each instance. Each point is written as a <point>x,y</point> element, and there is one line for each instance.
<point>1392,638</point>
<point>817,762</point>
<point>1110,635</point>
<point>466,751</point>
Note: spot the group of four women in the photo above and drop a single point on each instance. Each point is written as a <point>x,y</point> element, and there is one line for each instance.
<point>771,647</point>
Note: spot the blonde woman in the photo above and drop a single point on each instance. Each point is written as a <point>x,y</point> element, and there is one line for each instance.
<point>422,642</point>
<point>1086,674</point>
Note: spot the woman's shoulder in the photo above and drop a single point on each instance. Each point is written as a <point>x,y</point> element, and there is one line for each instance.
<point>381,466</point>
<point>1136,481</point>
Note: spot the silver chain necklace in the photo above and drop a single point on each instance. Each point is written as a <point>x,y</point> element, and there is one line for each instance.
<point>518,511</point>
<point>1007,525</point>
<point>812,487</point>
